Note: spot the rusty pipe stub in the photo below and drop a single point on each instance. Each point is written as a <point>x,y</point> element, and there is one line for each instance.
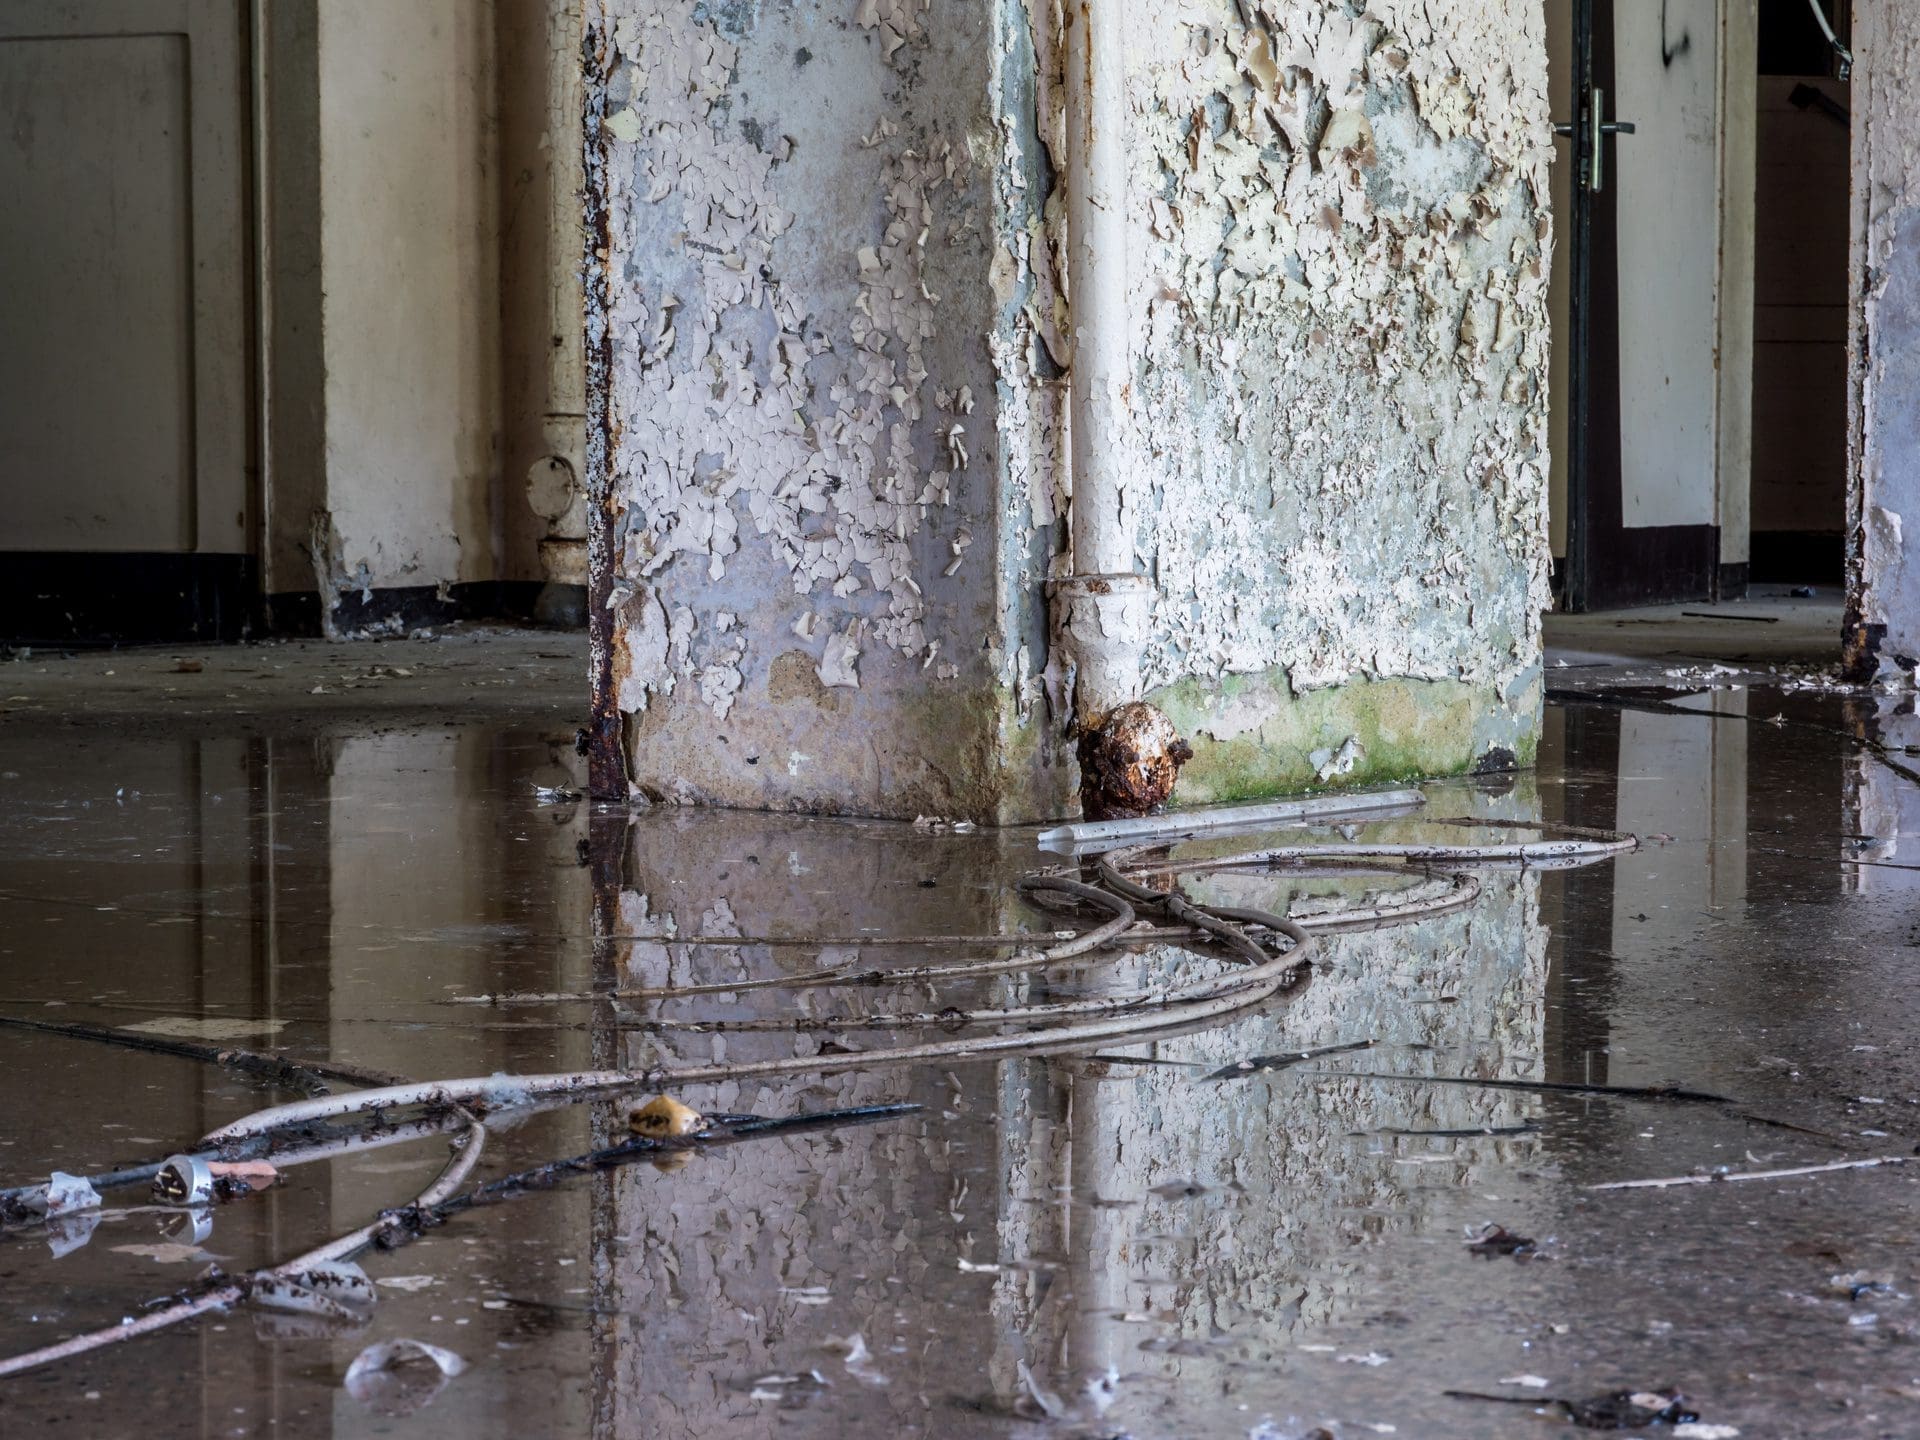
<point>1130,759</point>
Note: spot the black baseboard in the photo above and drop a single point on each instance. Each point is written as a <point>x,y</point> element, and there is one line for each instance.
<point>1651,565</point>
<point>69,598</point>
<point>66,598</point>
<point>404,607</point>
<point>1730,581</point>
<point>1803,557</point>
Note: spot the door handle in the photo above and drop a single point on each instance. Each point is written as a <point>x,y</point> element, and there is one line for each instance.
<point>1600,129</point>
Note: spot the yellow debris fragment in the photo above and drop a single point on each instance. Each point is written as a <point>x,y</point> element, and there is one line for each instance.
<point>662,1117</point>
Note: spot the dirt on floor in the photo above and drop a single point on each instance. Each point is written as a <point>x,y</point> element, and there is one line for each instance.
<point>463,673</point>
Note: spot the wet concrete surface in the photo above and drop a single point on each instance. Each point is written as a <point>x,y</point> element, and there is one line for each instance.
<point>1068,1244</point>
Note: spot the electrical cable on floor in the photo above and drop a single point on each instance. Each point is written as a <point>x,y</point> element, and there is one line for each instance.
<point>1208,1001</point>
<point>1248,971</point>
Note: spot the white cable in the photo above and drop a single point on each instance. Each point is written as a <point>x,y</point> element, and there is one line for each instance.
<point>1826,28</point>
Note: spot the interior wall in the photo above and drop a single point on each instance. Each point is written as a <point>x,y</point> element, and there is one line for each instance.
<point>1562,104</point>
<point>1800,321</point>
<point>1339,446</point>
<point>1733,351</point>
<point>828,434</point>
<point>294,432</point>
<point>417,287</point>
<point>541,244</point>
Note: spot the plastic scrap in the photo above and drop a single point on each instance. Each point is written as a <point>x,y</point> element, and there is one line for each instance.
<point>398,1377</point>
<point>69,1193</point>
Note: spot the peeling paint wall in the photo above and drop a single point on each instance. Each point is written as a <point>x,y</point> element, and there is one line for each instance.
<point>832,334</point>
<point>799,407</point>
<point>1340,279</point>
<point>1884,432</point>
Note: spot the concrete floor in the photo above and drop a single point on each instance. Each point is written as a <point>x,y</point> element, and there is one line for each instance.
<point>1771,632</point>
<point>478,674</point>
<point>1148,1239</point>
<point>467,674</point>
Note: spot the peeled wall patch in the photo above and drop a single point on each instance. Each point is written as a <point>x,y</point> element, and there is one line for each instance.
<point>1339,256</point>
<point>839,339</point>
<point>1884,390</point>
<point>839,660</point>
<point>745,409</point>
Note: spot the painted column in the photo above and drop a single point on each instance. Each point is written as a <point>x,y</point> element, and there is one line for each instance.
<point>830,355</point>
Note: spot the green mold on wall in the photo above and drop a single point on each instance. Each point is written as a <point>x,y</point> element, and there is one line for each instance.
<point>1252,739</point>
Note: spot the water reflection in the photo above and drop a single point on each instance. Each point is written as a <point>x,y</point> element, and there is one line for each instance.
<point>1115,1237</point>
<point>1055,1220</point>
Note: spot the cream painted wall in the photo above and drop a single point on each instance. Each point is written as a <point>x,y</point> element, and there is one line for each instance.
<point>1739,150</point>
<point>542,240</point>
<point>409,219</point>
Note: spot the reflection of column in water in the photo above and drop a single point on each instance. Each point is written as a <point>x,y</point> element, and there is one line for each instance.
<point>1209,1216</point>
<point>1882,808</point>
<point>753,1259</point>
<point>764,1259</point>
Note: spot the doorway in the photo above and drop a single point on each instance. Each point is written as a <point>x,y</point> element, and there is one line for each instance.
<point>1699,306</point>
<point>1803,135</point>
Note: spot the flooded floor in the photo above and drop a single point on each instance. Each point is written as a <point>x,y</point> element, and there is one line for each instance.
<point>1141,1238</point>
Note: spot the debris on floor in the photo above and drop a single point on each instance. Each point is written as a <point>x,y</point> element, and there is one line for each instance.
<point>747,1092</point>
<point>398,1377</point>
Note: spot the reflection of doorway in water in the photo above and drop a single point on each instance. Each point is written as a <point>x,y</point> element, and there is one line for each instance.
<point>1728,805</point>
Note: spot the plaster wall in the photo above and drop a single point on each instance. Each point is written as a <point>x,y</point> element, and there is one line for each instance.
<point>827,334</point>
<point>1884,342</point>
<point>543,380</point>
<point>1340,273</point>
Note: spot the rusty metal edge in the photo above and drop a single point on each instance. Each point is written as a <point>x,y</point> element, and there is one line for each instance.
<point>606,758</point>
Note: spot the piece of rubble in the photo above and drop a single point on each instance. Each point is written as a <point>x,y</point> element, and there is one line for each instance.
<point>1130,759</point>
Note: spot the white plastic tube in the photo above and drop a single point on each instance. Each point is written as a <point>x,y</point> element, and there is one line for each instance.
<point>1105,604</point>
<point>1184,824</point>
<point>1097,280</point>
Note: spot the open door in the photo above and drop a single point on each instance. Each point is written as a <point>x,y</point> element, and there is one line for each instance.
<point>1641,240</point>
